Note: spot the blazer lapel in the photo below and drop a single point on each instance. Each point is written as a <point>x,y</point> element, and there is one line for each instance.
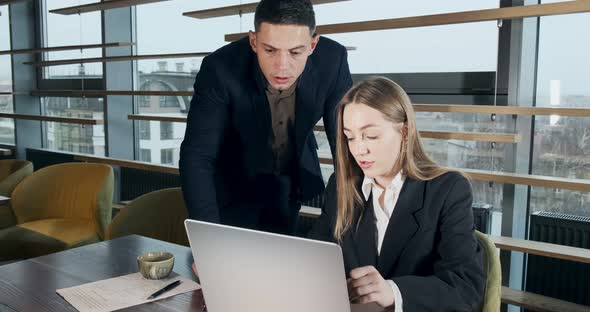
<point>364,236</point>
<point>403,225</point>
<point>306,107</point>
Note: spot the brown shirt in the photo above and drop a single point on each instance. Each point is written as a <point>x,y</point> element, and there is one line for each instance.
<point>282,111</point>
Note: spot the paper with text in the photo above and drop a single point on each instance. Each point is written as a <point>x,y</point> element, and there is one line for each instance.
<point>121,292</point>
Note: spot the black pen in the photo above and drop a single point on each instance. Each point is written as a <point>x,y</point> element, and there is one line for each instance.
<point>165,289</point>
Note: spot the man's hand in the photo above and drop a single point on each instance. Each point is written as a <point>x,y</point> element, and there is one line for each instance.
<point>366,285</point>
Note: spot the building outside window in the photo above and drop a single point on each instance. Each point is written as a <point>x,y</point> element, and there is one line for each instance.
<point>144,130</point>
<point>166,156</point>
<point>166,131</point>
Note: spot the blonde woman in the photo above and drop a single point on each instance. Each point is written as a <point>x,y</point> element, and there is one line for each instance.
<point>404,223</point>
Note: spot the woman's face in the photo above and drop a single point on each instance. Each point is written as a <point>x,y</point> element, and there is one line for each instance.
<point>373,141</point>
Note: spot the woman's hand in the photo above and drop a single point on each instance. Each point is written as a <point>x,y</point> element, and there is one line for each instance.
<point>366,285</point>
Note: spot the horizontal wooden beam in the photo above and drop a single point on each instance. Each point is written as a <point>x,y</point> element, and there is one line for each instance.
<point>71,120</point>
<point>100,6</point>
<point>471,136</point>
<point>535,302</point>
<point>542,249</point>
<point>465,136</point>
<point>4,2</point>
<point>128,164</point>
<point>515,178</point>
<point>102,93</point>
<point>6,151</point>
<point>503,110</point>
<point>237,9</point>
<point>116,59</point>
<point>157,118</point>
<point>450,18</point>
<point>528,179</point>
<point>71,47</point>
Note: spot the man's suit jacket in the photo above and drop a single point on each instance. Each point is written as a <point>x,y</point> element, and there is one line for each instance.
<point>429,249</point>
<point>227,142</point>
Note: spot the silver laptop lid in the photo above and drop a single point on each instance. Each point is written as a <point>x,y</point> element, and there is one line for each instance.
<point>247,270</point>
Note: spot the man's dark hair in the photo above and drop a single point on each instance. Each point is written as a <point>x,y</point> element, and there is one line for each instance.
<point>290,12</point>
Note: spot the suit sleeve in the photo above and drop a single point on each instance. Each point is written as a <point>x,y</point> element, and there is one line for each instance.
<point>206,124</point>
<point>341,86</point>
<point>458,280</point>
<point>324,226</point>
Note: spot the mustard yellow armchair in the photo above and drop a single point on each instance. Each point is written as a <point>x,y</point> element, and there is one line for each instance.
<point>159,214</point>
<point>58,207</point>
<point>12,172</point>
<point>493,269</point>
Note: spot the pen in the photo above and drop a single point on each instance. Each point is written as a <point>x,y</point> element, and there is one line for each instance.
<point>165,289</point>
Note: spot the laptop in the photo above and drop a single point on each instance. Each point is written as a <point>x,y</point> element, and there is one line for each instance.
<point>246,270</point>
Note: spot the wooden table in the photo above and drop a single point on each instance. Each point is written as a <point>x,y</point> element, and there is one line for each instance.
<point>30,285</point>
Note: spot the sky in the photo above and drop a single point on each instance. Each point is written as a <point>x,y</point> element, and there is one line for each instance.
<point>161,28</point>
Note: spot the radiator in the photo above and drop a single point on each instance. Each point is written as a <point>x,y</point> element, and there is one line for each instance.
<point>41,159</point>
<point>562,279</point>
<point>135,182</point>
<point>481,217</point>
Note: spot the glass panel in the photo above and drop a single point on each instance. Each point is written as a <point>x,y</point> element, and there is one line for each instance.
<point>172,74</point>
<point>411,50</point>
<point>64,30</point>
<point>73,137</point>
<point>561,145</point>
<point>6,104</point>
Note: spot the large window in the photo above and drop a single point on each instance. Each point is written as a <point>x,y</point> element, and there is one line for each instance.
<point>561,145</point>
<point>64,30</point>
<point>6,104</point>
<point>173,74</point>
<point>74,137</point>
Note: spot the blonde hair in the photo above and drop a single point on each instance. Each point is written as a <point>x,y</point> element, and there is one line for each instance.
<point>392,101</point>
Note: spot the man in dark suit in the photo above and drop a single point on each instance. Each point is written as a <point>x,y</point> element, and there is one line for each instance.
<point>249,155</point>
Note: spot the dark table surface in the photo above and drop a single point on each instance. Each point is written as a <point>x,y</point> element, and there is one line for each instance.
<point>30,285</point>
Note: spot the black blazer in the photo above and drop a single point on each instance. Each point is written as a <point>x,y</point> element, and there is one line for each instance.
<point>226,145</point>
<point>429,249</point>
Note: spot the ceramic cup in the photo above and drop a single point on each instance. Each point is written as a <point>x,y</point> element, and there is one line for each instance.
<point>155,265</point>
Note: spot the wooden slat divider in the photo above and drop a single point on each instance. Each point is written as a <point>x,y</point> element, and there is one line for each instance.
<point>537,302</point>
<point>516,178</point>
<point>128,163</point>
<point>542,249</point>
<point>4,2</point>
<point>157,118</point>
<point>237,9</point>
<point>71,120</point>
<point>64,48</point>
<point>116,59</point>
<point>100,6</point>
<point>503,110</point>
<point>101,93</point>
<point>567,7</point>
<point>465,136</point>
<point>6,151</point>
<point>471,136</point>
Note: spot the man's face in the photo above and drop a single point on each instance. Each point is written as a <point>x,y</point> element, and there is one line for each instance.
<point>282,52</point>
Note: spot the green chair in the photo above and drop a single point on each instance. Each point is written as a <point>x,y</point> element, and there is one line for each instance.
<point>493,269</point>
<point>12,172</point>
<point>159,214</point>
<point>58,207</point>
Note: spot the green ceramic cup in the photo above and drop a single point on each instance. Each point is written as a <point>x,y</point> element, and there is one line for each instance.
<point>155,265</point>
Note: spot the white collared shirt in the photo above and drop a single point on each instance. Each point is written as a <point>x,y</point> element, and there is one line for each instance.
<point>383,214</point>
